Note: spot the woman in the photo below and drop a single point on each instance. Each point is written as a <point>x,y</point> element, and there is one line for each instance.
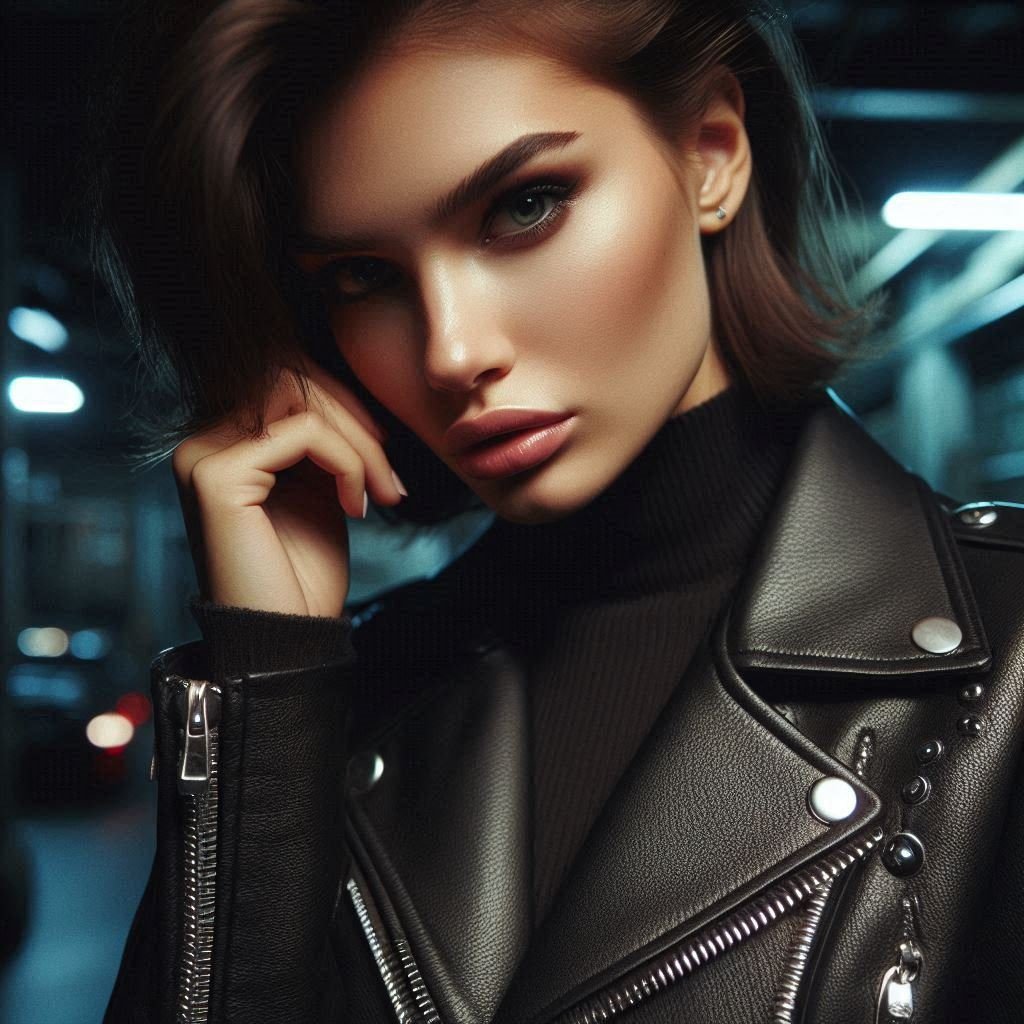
<point>720,720</point>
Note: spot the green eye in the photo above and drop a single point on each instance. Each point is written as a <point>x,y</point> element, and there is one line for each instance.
<point>525,206</point>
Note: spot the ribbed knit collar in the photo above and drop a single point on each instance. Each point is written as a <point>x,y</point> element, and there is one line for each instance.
<point>687,509</point>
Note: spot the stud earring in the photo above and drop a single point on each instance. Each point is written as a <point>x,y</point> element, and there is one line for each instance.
<point>720,213</point>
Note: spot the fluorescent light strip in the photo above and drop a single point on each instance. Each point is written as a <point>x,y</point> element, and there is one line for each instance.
<point>955,211</point>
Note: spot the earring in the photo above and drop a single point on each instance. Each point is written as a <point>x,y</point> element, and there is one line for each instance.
<point>720,213</point>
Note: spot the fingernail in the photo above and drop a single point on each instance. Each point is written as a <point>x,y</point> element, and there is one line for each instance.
<point>399,484</point>
<point>366,503</point>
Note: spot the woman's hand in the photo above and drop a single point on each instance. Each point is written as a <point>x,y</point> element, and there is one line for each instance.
<point>275,542</point>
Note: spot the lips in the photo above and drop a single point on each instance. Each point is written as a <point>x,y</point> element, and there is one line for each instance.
<point>467,434</point>
<point>508,454</point>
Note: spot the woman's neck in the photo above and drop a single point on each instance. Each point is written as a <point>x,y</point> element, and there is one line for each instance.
<point>688,507</point>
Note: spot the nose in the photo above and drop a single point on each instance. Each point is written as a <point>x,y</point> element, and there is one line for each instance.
<point>465,345</point>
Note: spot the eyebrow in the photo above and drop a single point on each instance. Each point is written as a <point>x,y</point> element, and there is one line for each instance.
<point>468,191</point>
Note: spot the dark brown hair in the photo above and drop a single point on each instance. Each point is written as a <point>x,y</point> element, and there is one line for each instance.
<point>192,189</point>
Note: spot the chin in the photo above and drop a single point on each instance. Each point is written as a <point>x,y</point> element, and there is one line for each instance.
<point>531,516</point>
<point>531,500</point>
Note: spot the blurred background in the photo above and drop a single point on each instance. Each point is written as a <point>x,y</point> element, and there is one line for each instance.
<point>96,572</point>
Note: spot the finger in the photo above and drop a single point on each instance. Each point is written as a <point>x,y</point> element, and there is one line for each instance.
<point>345,396</point>
<point>381,478</point>
<point>243,474</point>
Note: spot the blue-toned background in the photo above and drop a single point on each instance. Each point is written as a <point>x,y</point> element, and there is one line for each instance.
<point>96,572</point>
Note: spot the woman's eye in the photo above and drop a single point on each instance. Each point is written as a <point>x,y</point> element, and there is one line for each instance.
<point>532,211</point>
<point>353,279</point>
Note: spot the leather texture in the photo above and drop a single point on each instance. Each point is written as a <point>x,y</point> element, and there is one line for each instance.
<point>811,672</point>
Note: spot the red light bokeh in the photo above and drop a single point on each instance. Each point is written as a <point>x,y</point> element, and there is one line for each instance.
<point>135,707</point>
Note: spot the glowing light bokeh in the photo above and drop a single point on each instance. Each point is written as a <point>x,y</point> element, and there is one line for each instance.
<point>45,394</point>
<point>43,642</point>
<point>37,327</point>
<point>110,729</point>
<point>955,211</point>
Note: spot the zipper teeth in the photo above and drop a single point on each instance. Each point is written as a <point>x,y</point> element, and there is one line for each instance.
<point>797,957</point>
<point>398,970</point>
<point>428,1012</point>
<point>707,945</point>
<point>200,863</point>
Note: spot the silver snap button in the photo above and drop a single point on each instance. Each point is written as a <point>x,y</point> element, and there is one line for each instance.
<point>832,800</point>
<point>364,771</point>
<point>937,635</point>
<point>980,516</point>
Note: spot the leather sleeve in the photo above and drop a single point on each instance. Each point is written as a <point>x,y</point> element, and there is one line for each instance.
<point>277,858</point>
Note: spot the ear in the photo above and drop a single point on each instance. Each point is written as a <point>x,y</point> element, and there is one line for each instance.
<point>724,160</point>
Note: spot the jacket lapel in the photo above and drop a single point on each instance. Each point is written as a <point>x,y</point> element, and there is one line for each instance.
<point>711,812</point>
<point>714,808</point>
<point>856,551</point>
<point>443,838</point>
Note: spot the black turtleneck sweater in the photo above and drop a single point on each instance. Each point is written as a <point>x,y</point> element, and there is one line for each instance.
<point>609,605</point>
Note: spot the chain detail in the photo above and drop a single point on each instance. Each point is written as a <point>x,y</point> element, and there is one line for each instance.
<point>864,752</point>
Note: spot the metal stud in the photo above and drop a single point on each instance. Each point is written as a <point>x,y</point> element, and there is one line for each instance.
<point>937,635</point>
<point>971,725</point>
<point>831,800</point>
<point>929,751</point>
<point>971,693</point>
<point>903,854</point>
<point>364,771</point>
<point>917,790</point>
<point>979,516</point>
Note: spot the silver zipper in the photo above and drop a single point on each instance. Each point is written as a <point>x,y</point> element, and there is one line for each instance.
<point>784,1009</point>
<point>197,784</point>
<point>810,888</point>
<point>896,993</point>
<point>398,970</point>
<point>707,945</point>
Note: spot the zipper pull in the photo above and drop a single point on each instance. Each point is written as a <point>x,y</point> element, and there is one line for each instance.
<point>896,993</point>
<point>203,711</point>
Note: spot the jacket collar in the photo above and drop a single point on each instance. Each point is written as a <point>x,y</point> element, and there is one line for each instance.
<point>713,809</point>
<point>856,552</point>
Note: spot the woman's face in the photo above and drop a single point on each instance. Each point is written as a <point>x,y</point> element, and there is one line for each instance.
<point>572,285</point>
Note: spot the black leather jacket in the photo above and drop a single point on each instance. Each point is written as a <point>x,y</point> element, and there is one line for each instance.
<point>353,843</point>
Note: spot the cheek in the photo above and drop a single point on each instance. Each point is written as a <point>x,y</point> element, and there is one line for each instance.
<point>632,277</point>
<point>374,343</point>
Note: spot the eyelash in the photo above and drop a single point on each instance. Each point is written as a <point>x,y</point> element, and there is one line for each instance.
<point>564,192</point>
